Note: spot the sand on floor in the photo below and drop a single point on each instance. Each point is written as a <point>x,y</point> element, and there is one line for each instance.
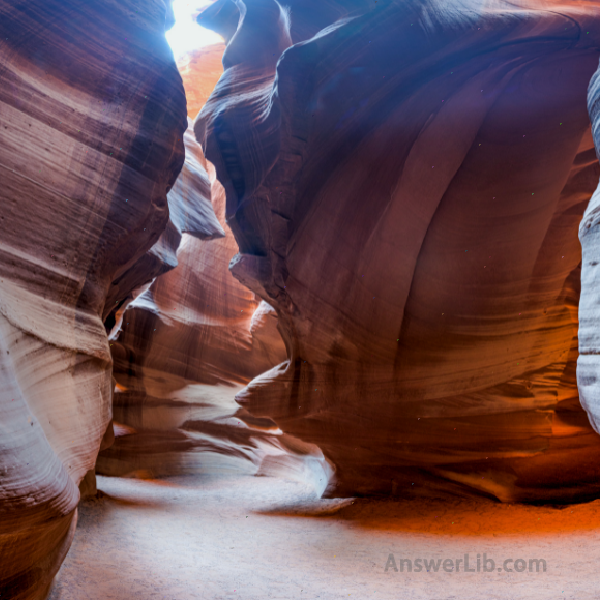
<point>225,534</point>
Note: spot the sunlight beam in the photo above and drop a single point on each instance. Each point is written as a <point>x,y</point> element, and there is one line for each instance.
<point>186,35</point>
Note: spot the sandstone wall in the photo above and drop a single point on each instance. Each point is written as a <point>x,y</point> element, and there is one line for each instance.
<point>405,182</point>
<point>187,344</point>
<point>92,116</point>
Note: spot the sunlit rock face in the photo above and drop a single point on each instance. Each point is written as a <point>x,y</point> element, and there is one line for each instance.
<point>187,345</point>
<point>92,116</point>
<point>200,69</point>
<point>405,185</point>
<point>588,364</point>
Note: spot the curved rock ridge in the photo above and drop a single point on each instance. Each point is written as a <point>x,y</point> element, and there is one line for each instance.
<point>190,212</point>
<point>188,344</point>
<point>92,117</point>
<point>405,188</point>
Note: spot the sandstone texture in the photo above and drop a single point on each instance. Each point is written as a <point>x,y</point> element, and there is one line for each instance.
<point>375,250</point>
<point>588,364</point>
<point>92,117</point>
<point>405,182</point>
<point>200,70</point>
<point>190,213</point>
<point>192,340</point>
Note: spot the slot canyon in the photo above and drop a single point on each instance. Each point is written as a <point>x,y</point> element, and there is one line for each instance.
<point>299,299</point>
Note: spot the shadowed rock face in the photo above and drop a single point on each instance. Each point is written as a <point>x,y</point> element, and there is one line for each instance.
<point>190,212</point>
<point>405,188</point>
<point>92,116</point>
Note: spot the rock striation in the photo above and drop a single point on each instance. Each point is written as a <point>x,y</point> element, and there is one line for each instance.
<point>192,340</point>
<point>405,182</point>
<point>190,213</point>
<point>92,117</point>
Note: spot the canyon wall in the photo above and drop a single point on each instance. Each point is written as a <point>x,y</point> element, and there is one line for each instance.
<point>187,344</point>
<point>200,70</point>
<point>588,364</point>
<point>405,182</point>
<point>92,116</point>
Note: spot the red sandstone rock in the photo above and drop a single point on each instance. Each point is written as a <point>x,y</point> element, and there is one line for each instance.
<point>405,188</point>
<point>374,166</point>
<point>190,212</point>
<point>200,70</point>
<point>92,114</point>
<point>193,339</point>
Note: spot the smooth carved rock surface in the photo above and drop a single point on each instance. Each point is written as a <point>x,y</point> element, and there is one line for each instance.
<point>588,364</point>
<point>405,185</point>
<point>92,116</point>
<point>187,345</point>
<point>190,212</point>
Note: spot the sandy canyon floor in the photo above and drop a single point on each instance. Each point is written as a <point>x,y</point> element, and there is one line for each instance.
<point>226,534</point>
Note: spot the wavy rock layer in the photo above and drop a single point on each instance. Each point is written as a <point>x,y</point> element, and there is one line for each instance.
<point>405,187</point>
<point>92,115</point>
<point>190,212</point>
<point>188,344</point>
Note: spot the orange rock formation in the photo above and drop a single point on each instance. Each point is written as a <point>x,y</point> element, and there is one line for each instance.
<point>405,188</point>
